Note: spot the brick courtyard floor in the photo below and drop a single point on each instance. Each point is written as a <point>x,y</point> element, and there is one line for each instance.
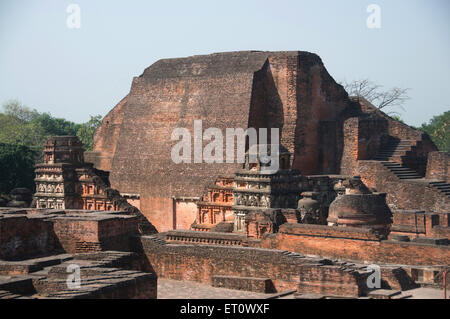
<point>173,289</point>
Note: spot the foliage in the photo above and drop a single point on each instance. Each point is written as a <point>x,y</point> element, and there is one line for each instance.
<point>16,167</point>
<point>23,126</point>
<point>86,131</point>
<point>439,130</point>
<point>23,132</point>
<point>397,118</point>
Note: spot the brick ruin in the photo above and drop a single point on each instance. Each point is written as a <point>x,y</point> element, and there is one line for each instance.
<point>354,187</point>
<point>38,247</point>
<point>65,181</point>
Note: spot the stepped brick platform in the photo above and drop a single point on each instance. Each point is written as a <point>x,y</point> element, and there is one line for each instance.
<point>33,232</point>
<point>352,244</point>
<point>245,267</point>
<point>404,193</point>
<point>109,274</point>
<point>40,247</point>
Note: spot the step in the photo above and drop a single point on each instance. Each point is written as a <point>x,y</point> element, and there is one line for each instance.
<point>383,293</point>
<point>409,177</point>
<point>402,173</point>
<point>440,183</point>
<point>308,296</point>
<point>390,153</point>
<point>282,294</point>
<point>389,158</point>
<point>397,148</point>
<point>392,165</point>
<point>402,170</point>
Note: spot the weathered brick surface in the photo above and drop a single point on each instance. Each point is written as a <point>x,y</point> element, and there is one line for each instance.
<point>438,166</point>
<point>28,233</point>
<point>289,90</point>
<point>106,136</point>
<point>21,236</point>
<point>200,263</point>
<point>331,280</point>
<point>404,194</point>
<point>347,244</point>
<point>263,285</point>
<point>103,275</point>
<point>206,238</point>
<point>326,131</point>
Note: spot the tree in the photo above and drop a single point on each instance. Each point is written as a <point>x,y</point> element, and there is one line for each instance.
<point>374,94</point>
<point>438,129</point>
<point>19,125</point>
<point>87,130</point>
<point>23,132</point>
<point>16,167</point>
<point>55,126</point>
<point>16,109</point>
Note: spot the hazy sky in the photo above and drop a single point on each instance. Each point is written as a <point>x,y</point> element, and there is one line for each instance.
<point>74,73</point>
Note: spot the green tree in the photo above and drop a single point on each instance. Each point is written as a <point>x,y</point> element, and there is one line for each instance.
<point>55,126</point>
<point>23,126</point>
<point>16,109</point>
<point>23,132</point>
<point>16,167</point>
<point>87,130</point>
<point>439,130</point>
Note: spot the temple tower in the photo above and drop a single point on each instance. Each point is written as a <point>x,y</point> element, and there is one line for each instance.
<point>258,188</point>
<point>55,177</point>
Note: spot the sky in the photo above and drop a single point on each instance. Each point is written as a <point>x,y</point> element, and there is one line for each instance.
<point>77,72</point>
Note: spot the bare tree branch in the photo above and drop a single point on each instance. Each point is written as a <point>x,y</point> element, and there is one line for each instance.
<point>372,92</point>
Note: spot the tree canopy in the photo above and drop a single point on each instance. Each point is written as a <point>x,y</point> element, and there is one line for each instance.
<point>439,130</point>
<point>16,167</point>
<point>20,125</point>
<point>23,132</point>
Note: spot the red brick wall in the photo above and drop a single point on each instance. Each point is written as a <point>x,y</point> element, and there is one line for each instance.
<point>299,238</point>
<point>404,194</point>
<point>186,212</point>
<point>200,263</point>
<point>350,153</point>
<point>438,166</point>
<point>290,90</point>
<point>159,211</point>
<point>105,138</point>
<point>363,137</point>
<point>108,234</point>
<point>21,237</point>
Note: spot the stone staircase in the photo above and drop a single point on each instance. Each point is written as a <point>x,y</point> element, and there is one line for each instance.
<point>442,187</point>
<point>405,173</point>
<point>395,150</point>
<point>401,171</point>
